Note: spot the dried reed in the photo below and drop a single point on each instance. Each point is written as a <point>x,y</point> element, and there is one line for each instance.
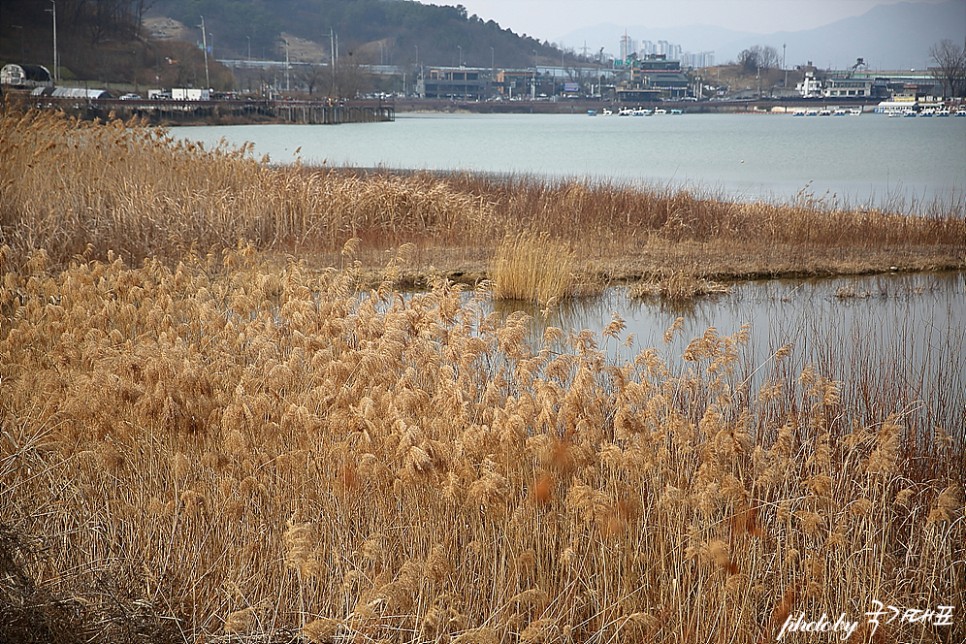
<point>81,189</point>
<point>222,448</point>
<point>534,268</point>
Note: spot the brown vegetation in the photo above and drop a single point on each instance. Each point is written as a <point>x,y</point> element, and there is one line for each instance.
<point>533,268</point>
<point>75,188</point>
<point>201,443</point>
<point>218,447</point>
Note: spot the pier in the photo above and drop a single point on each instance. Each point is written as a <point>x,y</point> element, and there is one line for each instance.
<point>222,111</point>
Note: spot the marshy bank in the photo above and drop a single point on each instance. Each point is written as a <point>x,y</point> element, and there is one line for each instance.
<point>81,189</point>
<point>209,441</point>
<point>224,451</point>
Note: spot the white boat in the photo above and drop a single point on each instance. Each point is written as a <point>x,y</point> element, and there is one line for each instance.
<point>800,112</point>
<point>896,108</point>
<point>855,111</point>
<point>607,111</point>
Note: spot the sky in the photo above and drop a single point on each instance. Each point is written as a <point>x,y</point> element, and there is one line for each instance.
<point>551,19</point>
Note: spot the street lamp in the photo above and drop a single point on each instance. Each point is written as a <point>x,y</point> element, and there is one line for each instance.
<point>492,71</point>
<point>204,45</point>
<point>249,39</point>
<point>785,67</point>
<point>533,85</point>
<point>460,47</point>
<point>288,78</point>
<point>53,12</point>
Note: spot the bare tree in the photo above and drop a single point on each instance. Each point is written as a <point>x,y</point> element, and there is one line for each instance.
<point>769,57</point>
<point>950,67</point>
<point>312,77</point>
<point>758,57</point>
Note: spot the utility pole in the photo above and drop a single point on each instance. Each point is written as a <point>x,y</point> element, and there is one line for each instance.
<point>288,79</point>
<point>332,57</point>
<point>491,84</point>
<point>785,67</point>
<point>53,12</point>
<point>533,85</point>
<point>204,45</point>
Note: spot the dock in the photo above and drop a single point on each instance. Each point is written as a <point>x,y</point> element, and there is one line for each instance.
<point>222,111</point>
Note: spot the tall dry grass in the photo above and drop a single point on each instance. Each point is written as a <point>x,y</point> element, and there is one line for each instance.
<point>534,268</point>
<point>81,189</point>
<point>74,188</point>
<point>218,448</point>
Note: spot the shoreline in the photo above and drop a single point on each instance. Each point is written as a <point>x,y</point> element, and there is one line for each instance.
<point>193,200</point>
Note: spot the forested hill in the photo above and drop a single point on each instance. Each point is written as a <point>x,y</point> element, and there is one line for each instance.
<point>397,32</point>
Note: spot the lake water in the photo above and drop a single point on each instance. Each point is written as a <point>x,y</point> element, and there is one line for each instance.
<point>893,331</point>
<point>859,160</point>
<point>901,335</point>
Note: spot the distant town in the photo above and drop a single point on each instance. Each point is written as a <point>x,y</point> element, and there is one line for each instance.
<point>644,72</point>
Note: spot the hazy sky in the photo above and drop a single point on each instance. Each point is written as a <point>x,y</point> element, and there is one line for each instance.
<point>550,19</point>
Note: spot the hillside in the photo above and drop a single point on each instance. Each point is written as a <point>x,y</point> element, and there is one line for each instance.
<point>392,32</point>
<point>101,48</point>
<point>148,44</point>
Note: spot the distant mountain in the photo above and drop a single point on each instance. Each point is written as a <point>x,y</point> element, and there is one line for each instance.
<point>887,37</point>
<point>396,32</point>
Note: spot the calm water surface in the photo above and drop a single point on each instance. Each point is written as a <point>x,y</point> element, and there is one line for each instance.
<point>892,331</point>
<point>859,160</point>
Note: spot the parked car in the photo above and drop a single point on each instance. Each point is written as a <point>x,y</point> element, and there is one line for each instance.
<point>131,97</point>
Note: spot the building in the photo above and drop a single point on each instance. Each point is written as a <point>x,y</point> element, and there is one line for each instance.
<point>629,47</point>
<point>514,83</point>
<point>848,84</point>
<point>811,86</point>
<point>25,76</point>
<point>657,77</point>
<point>847,87</point>
<point>464,83</point>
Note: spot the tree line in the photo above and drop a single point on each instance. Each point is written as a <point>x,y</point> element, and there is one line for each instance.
<point>948,58</point>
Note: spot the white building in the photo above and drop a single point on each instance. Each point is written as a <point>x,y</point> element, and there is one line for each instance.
<point>810,87</point>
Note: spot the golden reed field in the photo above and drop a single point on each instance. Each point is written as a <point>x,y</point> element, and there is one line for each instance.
<point>208,435</point>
